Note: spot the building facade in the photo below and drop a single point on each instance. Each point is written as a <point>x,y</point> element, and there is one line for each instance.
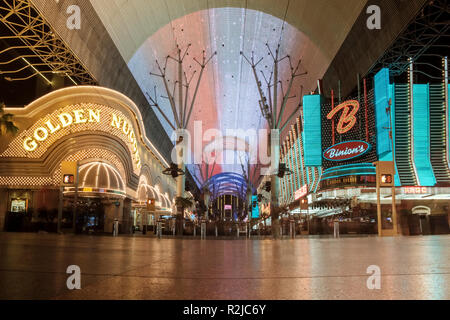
<point>332,150</point>
<point>119,169</point>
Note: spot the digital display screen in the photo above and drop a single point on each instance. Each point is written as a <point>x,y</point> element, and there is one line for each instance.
<point>255,207</point>
<point>68,179</point>
<point>18,205</point>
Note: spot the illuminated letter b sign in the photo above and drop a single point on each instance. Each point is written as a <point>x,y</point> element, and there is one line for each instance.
<point>348,116</point>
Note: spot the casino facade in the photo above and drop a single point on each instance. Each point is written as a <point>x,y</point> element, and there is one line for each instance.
<point>333,148</point>
<point>101,132</point>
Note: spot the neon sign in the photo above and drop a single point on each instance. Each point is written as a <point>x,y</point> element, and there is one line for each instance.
<point>66,120</point>
<point>300,193</point>
<point>348,117</point>
<point>346,150</point>
<point>415,190</point>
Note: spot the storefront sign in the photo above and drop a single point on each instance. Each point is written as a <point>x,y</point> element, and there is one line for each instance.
<point>346,150</point>
<point>348,181</point>
<point>300,193</point>
<point>415,190</point>
<point>82,116</point>
<point>348,117</point>
<point>65,120</point>
<point>344,133</point>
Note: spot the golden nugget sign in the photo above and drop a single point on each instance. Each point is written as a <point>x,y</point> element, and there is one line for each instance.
<point>82,116</point>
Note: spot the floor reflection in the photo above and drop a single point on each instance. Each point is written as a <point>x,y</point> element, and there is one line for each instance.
<point>33,266</point>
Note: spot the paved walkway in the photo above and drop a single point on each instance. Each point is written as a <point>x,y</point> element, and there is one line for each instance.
<point>33,266</point>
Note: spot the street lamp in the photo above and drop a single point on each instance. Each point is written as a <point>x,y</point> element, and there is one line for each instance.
<point>173,171</point>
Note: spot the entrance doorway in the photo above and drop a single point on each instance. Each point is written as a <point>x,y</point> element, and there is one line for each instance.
<point>421,214</point>
<point>90,216</point>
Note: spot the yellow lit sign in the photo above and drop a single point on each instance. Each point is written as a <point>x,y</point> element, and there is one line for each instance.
<point>127,129</point>
<point>69,171</point>
<point>81,116</point>
<point>64,120</point>
<point>415,190</point>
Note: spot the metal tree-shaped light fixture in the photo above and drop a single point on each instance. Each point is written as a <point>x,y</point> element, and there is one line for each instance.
<point>173,171</point>
<point>273,103</point>
<point>283,171</point>
<point>181,109</point>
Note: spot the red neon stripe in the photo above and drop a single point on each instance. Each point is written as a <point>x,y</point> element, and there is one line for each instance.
<point>332,122</point>
<point>365,110</point>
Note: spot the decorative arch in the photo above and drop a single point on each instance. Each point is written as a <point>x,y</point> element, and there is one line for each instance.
<point>152,182</point>
<point>147,173</point>
<point>52,158</point>
<point>421,210</point>
<point>85,96</point>
<point>95,113</point>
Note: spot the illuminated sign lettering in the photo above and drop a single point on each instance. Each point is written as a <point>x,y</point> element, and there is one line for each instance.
<point>78,117</point>
<point>300,193</point>
<point>65,120</point>
<point>346,150</point>
<point>349,181</point>
<point>127,129</point>
<point>348,117</point>
<point>415,190</point>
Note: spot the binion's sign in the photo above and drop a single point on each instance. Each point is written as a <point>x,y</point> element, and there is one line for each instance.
<point>348,116</point>
<point>346,150</point>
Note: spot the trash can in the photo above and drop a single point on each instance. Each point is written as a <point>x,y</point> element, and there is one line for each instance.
<point>336,229</point>
<point>115,228</point>
<point>203,230</point>
<point>159,229</point>
<point>292,228</point>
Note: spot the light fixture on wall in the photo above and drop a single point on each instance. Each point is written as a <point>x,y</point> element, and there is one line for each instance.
<point>173,171</point>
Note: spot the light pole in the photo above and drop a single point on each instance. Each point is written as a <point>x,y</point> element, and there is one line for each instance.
<point>269,110</point>
<point>181,111</point>
<point>391,137</point>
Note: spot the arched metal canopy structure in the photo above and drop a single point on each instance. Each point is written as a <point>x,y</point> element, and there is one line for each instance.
<point>228,97</point>
<point>227,183</point>
<point>99,179</point>
<point>146,192</point>
<point>143,31</point>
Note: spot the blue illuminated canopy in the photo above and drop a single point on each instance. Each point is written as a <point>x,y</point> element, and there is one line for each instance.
<point>227,183</point>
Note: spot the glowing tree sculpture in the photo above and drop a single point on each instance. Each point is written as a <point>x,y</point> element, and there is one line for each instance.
<point>182,106</point>
<point>273,106</point>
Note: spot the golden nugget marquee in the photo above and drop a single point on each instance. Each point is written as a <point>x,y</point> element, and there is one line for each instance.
<point>119,168</point>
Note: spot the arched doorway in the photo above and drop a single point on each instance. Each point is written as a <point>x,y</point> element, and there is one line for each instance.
<point>101,194</point>
<point>145,218</point>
